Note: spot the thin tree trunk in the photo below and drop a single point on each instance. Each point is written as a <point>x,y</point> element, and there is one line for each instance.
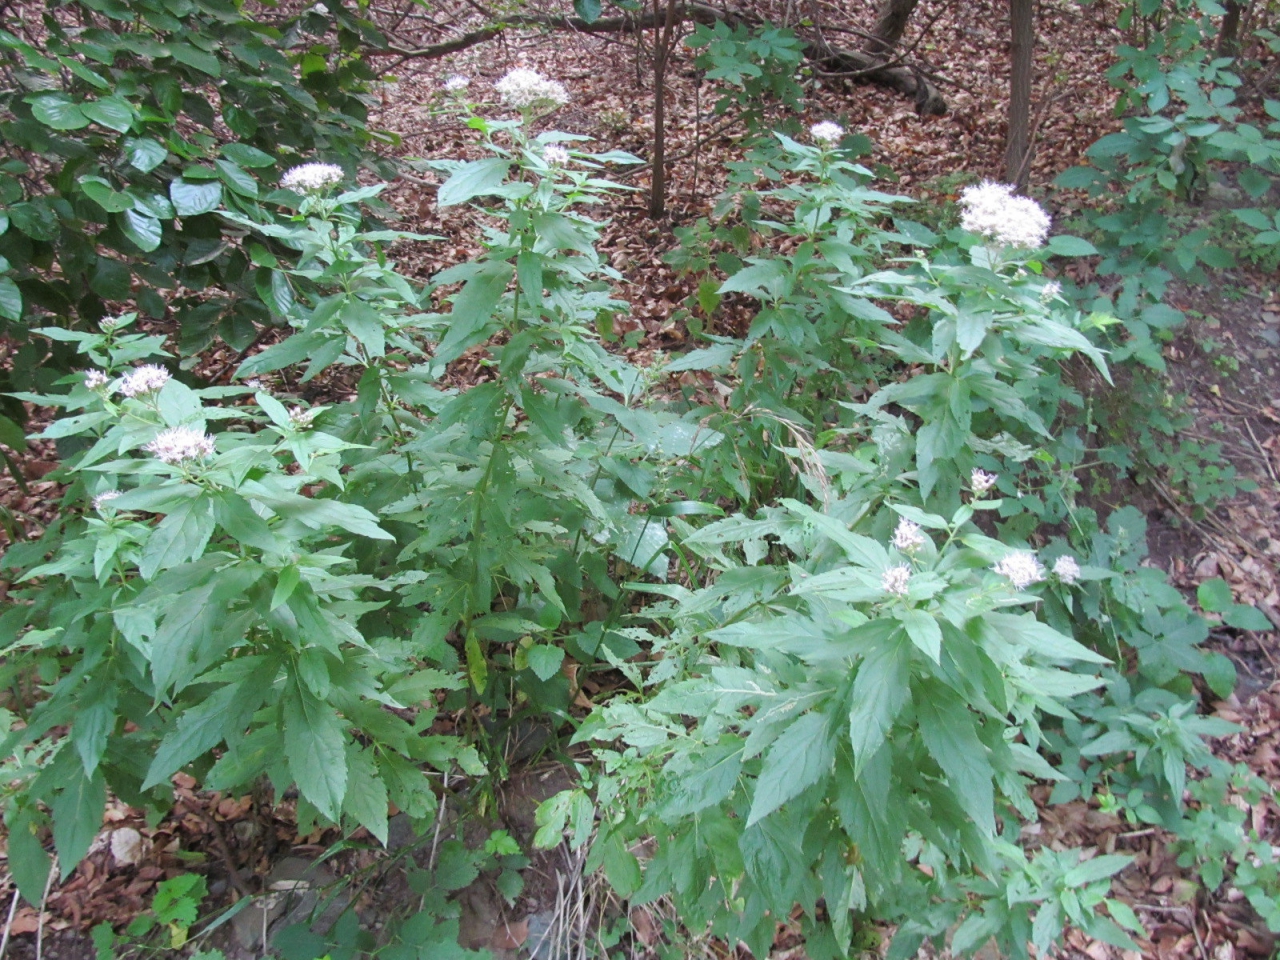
<point>1017,155</point>
<point>891,23</point>
<point>663,37</point>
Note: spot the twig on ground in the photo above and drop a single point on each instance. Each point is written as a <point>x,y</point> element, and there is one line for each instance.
<point>44,900</point>
<point>8,924</point>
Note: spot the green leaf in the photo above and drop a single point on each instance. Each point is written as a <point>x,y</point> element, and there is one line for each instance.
<point>246,155</point>
<point>1215,595</point>
<point>114,113</point>
<point>28,863</point>
<point>145,231</point>
<point>191,199</point>
<point>798,759</point>
<point>315,750</point>
<point>1064,245</point>
<point>10,299</point>
<point>366,798</point>
<point>1099,868</point>
<point>880,691</point>
<point>924,632</point>
<point>621,868</point>
<point>473,179</point>
<point>100,192</point>
<point>1244,617</point>
<point>589,11</point>
<point>181,536</point>
<point>473,307</point>
<point>58,111</point>
<point>544,660</point>
<point>77,817</point>
<point>236,179</point>
<point>144,154</point>
<point>947,728</point>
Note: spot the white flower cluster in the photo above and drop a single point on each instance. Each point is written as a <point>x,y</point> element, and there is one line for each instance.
<point>523,87</point>
<point>180,444</point>
<point>994,211</point>
<point>980,481</point>
<point>1020,568</point>
<point>896,580</point>
<point>556,155</point>
<point>110,324</point>
<point>96,379</point>
<point>826,132</point>
<point>907,536</point>
<point>149,378</point>
<point>302,419</point>
<point>312,178</point>
<point>1066,569</point>
<point>457,83</point>
<point>1050,291</point>
<point>105,497</point>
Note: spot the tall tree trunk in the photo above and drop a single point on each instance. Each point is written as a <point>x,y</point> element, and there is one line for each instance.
<point>891,23</point>
<point>663,39</point>
<point>1017,154</point>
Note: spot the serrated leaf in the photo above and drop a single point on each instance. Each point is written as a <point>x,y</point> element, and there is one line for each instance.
<point>474,179</point>
<point>77,817</point>
<point>315,751</point>
<point>246,155</point>
<point>924,632</point>
<point>1064,245</point>
<point>236,178</point>
<point>544,660</point>
<point>191,199</point>
<point>28,863</point>
<point>948,730</point>
<point>366,798</point>
<point>797,759</point>
<point>880,691</point>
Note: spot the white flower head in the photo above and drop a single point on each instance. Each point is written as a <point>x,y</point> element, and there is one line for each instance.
<point>1050,291</point>
<point>457,83</point>
<point>1066,569</point>
<point>556,155</point>
<point>96,379</point>
<point>104,498</point>
<point>312,178</point>
<point>149,378</point>
<point>994,211</point>
<point>826,132</point>
<point>1020,568</point>
<point>181,444</point>
<point>896,580</point>
<point>302,419</point>
<point>523,88</point>
<point>110,324</point>
<point>907,536</point>
<point>253,383</point>
<point>980,481</point>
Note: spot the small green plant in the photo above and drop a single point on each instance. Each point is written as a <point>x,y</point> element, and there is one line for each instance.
<point>174,910</point>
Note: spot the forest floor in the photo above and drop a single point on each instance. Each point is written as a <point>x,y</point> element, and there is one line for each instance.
<point>1224,369</point>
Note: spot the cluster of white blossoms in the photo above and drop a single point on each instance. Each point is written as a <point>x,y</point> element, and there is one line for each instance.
<point>826,132</point>
<point>556,155</point>
<point>980,481</point>
<point>302,419</point>
<point>457,83</point>
<point>312,178</point>
<point>994,211</point>
<point>1066,569</point>
<point>149,378</point>
<point>96,379</point>
<point>1020,568</point>
<point>896,580</point>
<point>522,88</point>
<point>110,324</point>
<point>907,536</point>
<point>105,497</point>
<point>181,444</point>
<point>1050,291</point>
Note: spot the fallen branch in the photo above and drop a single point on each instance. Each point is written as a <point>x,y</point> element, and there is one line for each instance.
<point>852,63</point>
